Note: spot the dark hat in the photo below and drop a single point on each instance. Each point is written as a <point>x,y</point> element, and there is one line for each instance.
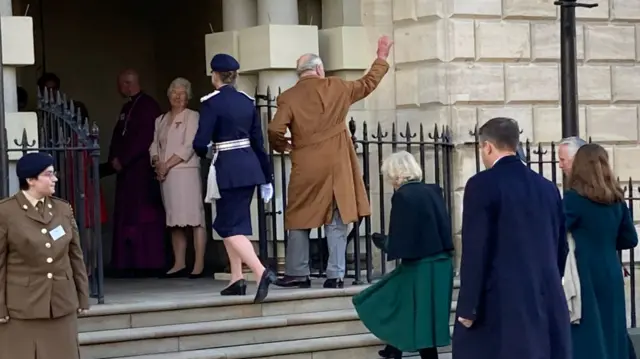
<point>32,164</point>
<point>224,63</point>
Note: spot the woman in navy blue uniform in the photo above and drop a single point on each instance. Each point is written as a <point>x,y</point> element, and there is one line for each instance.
<point>230,125</point>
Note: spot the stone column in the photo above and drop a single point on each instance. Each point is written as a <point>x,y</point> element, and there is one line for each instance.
<point>336,13</point>
<point>10,96</point>
<point>348,48</point>
<point>238,15</point>
<point>282,12</point>
<point>17,52</point>
<point>277,12</point>
<point>270,50</point>
<point>9,72</point>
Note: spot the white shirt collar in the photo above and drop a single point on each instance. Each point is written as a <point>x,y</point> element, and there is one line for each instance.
<point>32,200</point>
<point>496,161</point>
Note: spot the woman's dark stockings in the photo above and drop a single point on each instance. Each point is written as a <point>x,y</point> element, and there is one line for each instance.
<point>429,353</point>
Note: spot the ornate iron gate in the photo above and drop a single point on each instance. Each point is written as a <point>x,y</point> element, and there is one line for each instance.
<point>73,143</point>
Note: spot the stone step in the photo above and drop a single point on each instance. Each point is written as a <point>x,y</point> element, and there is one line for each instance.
<point>360,346</point>
<point>216,334</point>
<point>215,308</point>
<point>222,333</point>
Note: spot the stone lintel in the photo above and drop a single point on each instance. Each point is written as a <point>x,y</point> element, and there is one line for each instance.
<point>220,42</point>
<point>16,124</point>
<point>275,47</point>
<point>17,41</point>
<point>344,48</point>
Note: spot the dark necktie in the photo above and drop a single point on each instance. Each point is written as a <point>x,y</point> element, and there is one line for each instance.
<point>40,207</point>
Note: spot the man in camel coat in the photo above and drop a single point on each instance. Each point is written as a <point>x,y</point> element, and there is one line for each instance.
<point>325,186</point>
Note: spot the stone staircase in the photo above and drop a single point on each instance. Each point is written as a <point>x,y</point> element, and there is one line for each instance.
<point>291,324</point>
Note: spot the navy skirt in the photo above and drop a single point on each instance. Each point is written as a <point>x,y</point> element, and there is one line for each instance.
<point>233,212</point>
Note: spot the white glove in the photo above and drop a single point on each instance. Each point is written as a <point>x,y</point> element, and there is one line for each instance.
<point>266,191</point>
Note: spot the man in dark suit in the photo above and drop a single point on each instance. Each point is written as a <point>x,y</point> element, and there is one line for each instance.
<point>511,302</point>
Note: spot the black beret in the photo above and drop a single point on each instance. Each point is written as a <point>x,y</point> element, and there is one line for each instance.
<point>32,164</point>
<point>224,63</point>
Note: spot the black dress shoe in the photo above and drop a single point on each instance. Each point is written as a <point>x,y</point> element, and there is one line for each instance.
<point>290,282</point>
<point>177,274</point>
<point>389,352</point>
<point>268,277</point>
<point>238,287</point>
<point>196,276</point>
<point>333,283</point>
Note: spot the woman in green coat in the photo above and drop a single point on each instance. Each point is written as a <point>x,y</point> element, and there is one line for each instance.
<point>409,308</point>
<point>601,225</point>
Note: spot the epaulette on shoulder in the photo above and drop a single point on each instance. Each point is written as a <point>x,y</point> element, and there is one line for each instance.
<point>246,94</point>
<point>206,97</point>
<point>61,200</point>
<point>7,199</point>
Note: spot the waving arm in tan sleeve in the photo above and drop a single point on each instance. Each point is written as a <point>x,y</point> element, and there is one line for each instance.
<point>278,128</point>
<point>362,87</point>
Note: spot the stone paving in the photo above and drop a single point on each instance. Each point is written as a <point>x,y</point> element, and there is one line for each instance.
<point>119,291</point>
<point>143,290</point>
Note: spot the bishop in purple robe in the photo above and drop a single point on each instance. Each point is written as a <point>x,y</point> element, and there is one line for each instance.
<point>139,218</point>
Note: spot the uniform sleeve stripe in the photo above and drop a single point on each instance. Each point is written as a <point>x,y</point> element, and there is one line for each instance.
<point>206,97</point>
<point>246,94</point>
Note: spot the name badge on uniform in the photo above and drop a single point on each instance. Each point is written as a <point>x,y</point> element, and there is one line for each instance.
<point>57,233</point>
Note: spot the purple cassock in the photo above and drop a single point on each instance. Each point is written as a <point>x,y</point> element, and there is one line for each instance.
<point>139,218</point>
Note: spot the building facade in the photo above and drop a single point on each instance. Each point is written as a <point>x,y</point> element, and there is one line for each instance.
<point>455,63</point>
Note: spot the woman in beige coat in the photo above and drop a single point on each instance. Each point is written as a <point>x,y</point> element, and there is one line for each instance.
<point>178,171</point>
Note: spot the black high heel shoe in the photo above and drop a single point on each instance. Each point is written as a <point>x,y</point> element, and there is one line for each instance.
<point>177,274</point>
<point>268,277</point>
<point>238,287</point>
<point>197,275</point>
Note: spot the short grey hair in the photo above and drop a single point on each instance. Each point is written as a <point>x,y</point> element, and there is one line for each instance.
<point>573,144</point>
<point>180,82</point>
<point>401,167</point>
<point>310,62</point>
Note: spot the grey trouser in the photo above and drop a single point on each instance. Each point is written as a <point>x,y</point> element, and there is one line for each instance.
<point>297,261</point>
